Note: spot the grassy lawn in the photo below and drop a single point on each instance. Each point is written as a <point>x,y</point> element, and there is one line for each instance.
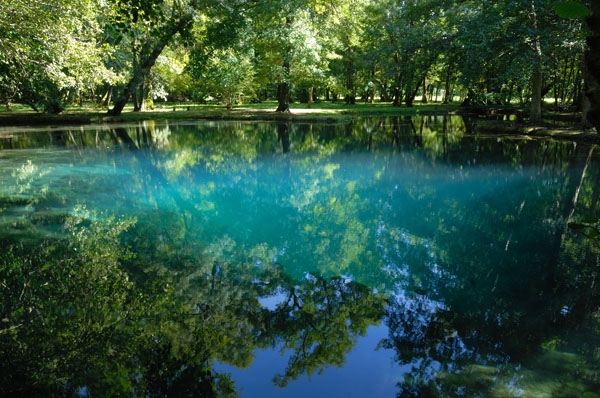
<point>321,111</point>
<point>264,110</point>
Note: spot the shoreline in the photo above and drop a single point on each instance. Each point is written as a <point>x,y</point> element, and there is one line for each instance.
<point>485,120</point>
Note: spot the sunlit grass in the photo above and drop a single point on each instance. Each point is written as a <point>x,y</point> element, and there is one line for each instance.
<point>320,110</point>
<point>317,107</point>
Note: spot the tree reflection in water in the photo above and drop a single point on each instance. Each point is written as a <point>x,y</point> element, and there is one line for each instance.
<point>459,244</point>
<point>84,315</point>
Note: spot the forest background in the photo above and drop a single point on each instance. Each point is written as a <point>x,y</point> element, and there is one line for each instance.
<point>525,53</point>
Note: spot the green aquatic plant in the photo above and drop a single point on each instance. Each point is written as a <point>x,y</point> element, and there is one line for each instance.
<point>589,227</point>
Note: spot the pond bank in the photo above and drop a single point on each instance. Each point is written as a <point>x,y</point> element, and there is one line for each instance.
<point>561,126</point>
<point>545,130</point>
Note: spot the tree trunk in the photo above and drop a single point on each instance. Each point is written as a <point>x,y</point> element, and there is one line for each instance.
<point>137,79</point>
<point>535,115</point>
<point>143,94</point>
<point>412,93</point>
<point>577,164</point>
<point>385,97</point>
<point>283,90</point>
<point>408,98</point>
<point>153,46</point>
<point>577,96</point>
<point>139,98</point>
<point>283,97</point>
<point>397,101</point>
<point>350,97</point>
<point>448,97</point>
<point>310,97</point>
<point>106,99</point>
<point>592,68</point>
<point>283,87</point>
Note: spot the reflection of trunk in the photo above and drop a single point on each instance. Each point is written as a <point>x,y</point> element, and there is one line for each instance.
<point>578,189</point>
<point>445,136</point>
<point>153,173</point>
<point>122,134</point>
<point>595,195</point>
<point>283,133</point>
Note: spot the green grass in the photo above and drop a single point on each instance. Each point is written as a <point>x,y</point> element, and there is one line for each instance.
<point>321,111</point>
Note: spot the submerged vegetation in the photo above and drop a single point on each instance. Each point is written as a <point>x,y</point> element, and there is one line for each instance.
<point>139,257</point>
<point>426,167</point>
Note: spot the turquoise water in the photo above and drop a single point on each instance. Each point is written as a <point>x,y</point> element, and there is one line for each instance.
<point>380,257</point>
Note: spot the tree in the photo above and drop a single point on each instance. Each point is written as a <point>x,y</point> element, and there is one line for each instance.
<point>591,99</point>
<point>414,35</point>
<point>320,321</point>
<point>345,28</point>
<point>225,73</point>
<point>592,61</point>
<point>51,51</point>
<point>289,45</point>
<point>503,52</point>
<point>147,28</point>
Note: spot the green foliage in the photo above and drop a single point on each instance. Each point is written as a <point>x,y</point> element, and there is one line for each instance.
<point>320,322</point>
<point>72,318</point>
<point>143,307</point>
<point>64,307</point>
<point>50,52</point>
<point>76,50</point>
<point>226,74</point>
<point>588,227</point>
<point>571,9</point>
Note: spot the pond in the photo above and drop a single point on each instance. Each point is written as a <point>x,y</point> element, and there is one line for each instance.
<point>392,256</point>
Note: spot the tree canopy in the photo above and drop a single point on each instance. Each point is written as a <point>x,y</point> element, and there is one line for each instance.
<point>117,51</point>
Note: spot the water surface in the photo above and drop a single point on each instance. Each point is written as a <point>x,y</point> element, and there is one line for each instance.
<point>388,256</point>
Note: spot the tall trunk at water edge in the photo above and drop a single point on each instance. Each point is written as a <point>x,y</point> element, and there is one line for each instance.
<point>350,98</point>
<point>535,115</point>
<point>283,88</point>
<point>137,79</point>
<point>592,64</point>
<point>152,46</point>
